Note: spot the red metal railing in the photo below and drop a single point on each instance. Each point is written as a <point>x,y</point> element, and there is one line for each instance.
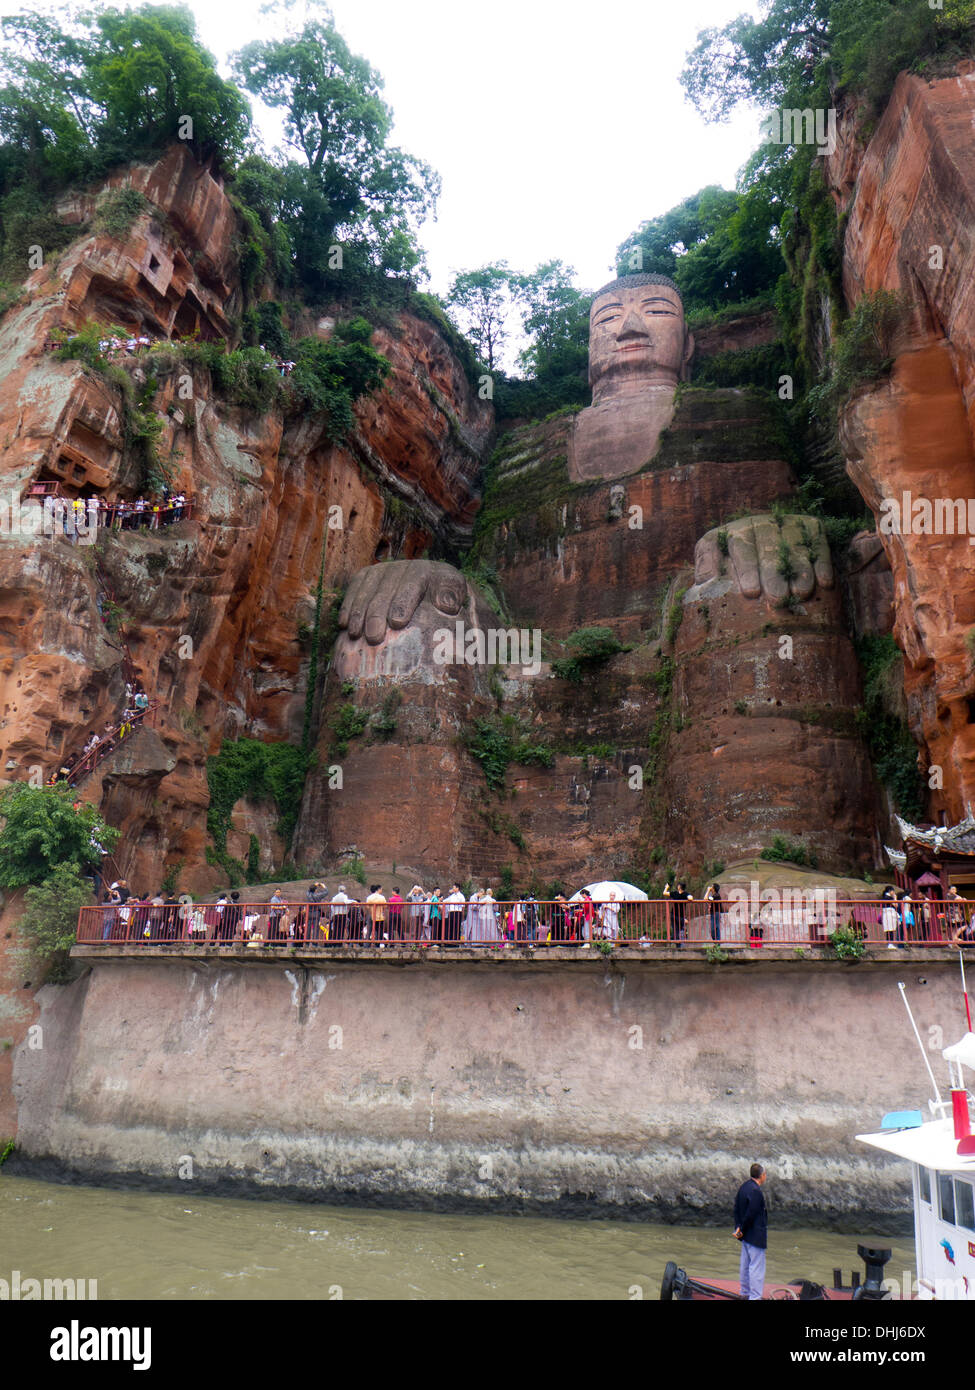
<point>107,744</point>
<point>656,923</point>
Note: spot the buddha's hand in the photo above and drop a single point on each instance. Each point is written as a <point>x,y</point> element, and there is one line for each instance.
<point>388,595</point>
<point>762,557</point>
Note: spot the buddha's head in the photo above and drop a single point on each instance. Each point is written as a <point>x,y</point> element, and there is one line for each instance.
<point>637,336</point>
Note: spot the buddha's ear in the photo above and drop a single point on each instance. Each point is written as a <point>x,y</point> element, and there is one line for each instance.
<point>685,367</point>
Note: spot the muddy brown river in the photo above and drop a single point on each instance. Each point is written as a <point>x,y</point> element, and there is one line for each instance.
<point>146,1245</point>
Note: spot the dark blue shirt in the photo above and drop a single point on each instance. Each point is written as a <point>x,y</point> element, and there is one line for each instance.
<point>750,1214</point>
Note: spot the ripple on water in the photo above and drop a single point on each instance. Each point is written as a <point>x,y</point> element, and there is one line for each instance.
<point>148,1245</point>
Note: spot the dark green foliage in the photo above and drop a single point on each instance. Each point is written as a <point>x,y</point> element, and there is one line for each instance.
<point>846,943</point>
<point>263,327</point>
<point>792,851</point>
<point>384,723</point>
<point>720,247</point>
<point>502,739</point>
<point>331,375</point>
<point>675,616</point>
<point>506,884</point>
<point>83,92</point>
<point>349,187</point>
<point>863,350</point>
<point>591,648</point>
<point>757,366</point>
<point>883,727</point>
<point>258,771</point>
<point>118,209</point>
<point>28,219</point>
<point>41,832</point>
<point>50,917</point>
<point>253,859</point>
<point>348,724</point>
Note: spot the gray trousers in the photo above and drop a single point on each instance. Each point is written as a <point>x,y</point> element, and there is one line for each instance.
<point>752,1271</point>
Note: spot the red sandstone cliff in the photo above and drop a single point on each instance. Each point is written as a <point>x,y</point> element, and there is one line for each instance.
<point>214,607</point>
<point>909,195</point>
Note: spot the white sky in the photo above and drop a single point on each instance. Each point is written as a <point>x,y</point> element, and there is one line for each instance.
<point>556,125</point>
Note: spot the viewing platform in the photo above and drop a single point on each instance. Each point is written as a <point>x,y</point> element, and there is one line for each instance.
<point>789,929</point>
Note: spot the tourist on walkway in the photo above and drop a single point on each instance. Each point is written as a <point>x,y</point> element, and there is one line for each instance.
<point>317,895</point>
<point>559,922</point>
<point>906,931</point>
<point>454,905</point>
<point>610,914</point>
<point>275,912</point>
<point>230,921</point>
<point>376,903</point>
<point>529,917</point>
<point>751,1228</point>
<point>341,903</point>
<point>715,908</point>
<point>436,916</point>
<point>419,913</point>
<point>472,919</point>
<point>679,896</point>
<point>891,921</point>
<point>396,923</point>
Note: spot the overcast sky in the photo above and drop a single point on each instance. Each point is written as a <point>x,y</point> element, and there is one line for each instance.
<point>555,127</point>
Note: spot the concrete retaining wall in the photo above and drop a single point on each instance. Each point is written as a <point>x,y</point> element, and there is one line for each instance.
<point>644,1087</point>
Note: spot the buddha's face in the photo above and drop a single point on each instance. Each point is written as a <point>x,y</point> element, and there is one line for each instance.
<point>636,335</point>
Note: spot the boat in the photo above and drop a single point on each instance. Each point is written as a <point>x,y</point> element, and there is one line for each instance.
<point>941,1152</point>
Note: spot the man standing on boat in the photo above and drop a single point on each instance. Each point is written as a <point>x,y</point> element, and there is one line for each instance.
<point>751,1228</point>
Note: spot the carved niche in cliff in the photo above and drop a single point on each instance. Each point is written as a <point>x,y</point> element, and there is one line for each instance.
<point>639,348</point>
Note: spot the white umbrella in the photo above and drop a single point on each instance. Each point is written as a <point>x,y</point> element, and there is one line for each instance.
<point>599,892</point>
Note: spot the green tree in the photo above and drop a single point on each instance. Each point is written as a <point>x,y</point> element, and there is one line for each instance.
<point>555,319</point>
<point>50,916</point>
<point>149,73</point>
<point>483,300</point>
<point>42,830</point>
<point>84,91</point>
<point>350,187</point>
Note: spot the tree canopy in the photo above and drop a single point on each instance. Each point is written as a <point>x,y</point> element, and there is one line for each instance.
<point>41,830</point>
<point>350,188</point>
<point>81,92</point>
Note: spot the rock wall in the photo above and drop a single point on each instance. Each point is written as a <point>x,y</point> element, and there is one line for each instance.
<point>217,608</point>
<point>575,1086</point>
<point>908,194</point>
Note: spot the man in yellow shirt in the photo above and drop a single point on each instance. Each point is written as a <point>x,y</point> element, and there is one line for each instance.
<point>377,906</point>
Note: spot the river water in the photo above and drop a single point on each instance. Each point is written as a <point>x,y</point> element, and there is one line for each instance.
<point>147,1245</point>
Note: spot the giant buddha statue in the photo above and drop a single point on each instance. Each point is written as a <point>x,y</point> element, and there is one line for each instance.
<point>639,348</point>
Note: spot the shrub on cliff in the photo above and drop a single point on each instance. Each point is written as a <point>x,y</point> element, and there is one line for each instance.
<point>591,648</point>
<point>42,831</point>
<point>260,771</point>
<point>50,917</point>
<point>502,739</point>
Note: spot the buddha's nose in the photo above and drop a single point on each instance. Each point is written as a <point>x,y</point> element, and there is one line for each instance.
<point>632,327</point>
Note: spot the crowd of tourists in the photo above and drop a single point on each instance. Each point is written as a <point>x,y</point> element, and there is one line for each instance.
<point>99,745</point>
<point>430,917</point>
<point>149,513</point>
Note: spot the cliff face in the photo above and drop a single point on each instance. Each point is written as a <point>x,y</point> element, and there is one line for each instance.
<point>909,197</point>
<point>216,609</point>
